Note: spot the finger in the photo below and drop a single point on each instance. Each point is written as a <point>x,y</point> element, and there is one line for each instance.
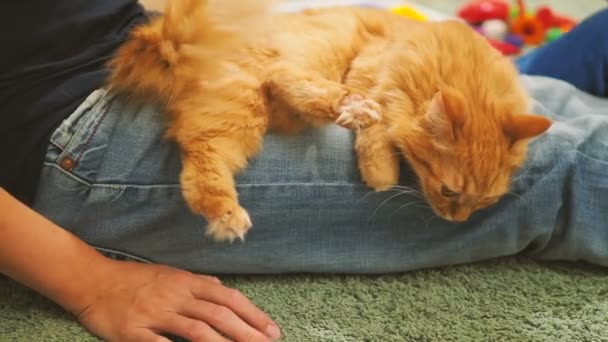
<point>215,280</point>
<point>240,305</point>
<point>223,320</point>
<point>145,335</point>
<point>188,328</point>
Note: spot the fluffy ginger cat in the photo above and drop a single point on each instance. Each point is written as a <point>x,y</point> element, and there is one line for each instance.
<point>226,71</point>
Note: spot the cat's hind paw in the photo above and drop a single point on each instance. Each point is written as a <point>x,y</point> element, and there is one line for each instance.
<point>233,225</point>
<point>357,112</point>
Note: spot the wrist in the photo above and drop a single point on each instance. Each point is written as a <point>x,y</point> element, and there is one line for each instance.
<point>41,255</point>
<point>86,285</point>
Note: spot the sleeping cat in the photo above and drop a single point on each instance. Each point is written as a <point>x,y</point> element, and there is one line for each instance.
<point>227,71</point>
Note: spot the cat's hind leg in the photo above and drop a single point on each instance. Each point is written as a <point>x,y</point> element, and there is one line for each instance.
<point>321,100</point>
<point>217,132</point>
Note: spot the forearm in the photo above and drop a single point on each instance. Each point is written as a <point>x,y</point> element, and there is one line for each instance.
<point>45,257</point>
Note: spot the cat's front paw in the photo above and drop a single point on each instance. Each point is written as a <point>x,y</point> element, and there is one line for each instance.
<point>356,112</point>
<point>379,178</point>
<point>377,159</point>
<point>234,224</point>
<point>380,181</point>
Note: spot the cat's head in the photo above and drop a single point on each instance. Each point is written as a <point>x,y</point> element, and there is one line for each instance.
<point>465,152</point>
<point>460,116</point>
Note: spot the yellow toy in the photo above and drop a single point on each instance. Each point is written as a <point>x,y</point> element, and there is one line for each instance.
<point>409,12</point>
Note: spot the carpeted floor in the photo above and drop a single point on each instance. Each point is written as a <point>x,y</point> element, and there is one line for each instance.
<point>504,300</point>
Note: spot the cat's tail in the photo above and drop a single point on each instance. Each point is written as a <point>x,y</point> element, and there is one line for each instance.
<point>186,45</point>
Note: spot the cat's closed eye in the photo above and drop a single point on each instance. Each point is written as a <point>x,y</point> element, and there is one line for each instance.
<point>447,192</point>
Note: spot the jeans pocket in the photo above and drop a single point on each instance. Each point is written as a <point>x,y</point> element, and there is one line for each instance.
<point>71,140</point>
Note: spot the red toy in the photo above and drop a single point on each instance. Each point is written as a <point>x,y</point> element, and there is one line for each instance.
<point>479,11</point>
<point>506,48</point>
<point>550,19</point>
<point>530,28</point>
<point>544,26</point>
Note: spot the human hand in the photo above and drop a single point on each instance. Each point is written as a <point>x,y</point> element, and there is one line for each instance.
<point>122,301</point>
<point>141,302</point>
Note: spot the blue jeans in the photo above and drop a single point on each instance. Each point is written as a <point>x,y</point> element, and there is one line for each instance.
<point>112,179</point>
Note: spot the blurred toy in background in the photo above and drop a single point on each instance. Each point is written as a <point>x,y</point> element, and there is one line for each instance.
<point>409,12</point>
<point>510,29</point>
<point>479,11</point>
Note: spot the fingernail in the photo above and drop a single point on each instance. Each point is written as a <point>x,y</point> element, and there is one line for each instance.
<point>273,332</point>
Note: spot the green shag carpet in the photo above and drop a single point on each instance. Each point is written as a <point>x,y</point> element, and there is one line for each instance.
<point>503,300</point>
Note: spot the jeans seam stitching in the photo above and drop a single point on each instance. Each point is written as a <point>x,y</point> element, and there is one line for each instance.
<point>595,159</point>
<point>69,174</point>
<point>75,126</point>
<point>90,137</point>
<point>301,184</point>
<point>56,145</point>
<point>124,186</point>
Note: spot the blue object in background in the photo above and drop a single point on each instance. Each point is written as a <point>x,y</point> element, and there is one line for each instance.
<point>515,40</point>
<point>575,57</point>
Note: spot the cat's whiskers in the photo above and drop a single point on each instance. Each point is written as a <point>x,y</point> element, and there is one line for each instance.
<point>428,220</point>
<point>372,191</point>
<point>522,173</point>
<point>395,188</point>
<point>414,203</point>
<point>411,190</point>
<point>511,193</point>
<point>399,193</point>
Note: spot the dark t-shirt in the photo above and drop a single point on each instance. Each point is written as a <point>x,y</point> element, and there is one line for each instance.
<point>53,57</point>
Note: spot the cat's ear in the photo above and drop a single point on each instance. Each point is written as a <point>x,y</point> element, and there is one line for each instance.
<point>443,116</point>
<point>525,126</point>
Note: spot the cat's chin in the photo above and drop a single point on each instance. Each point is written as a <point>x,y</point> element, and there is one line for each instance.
<point>459,216</point>
<point>449,218</point>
